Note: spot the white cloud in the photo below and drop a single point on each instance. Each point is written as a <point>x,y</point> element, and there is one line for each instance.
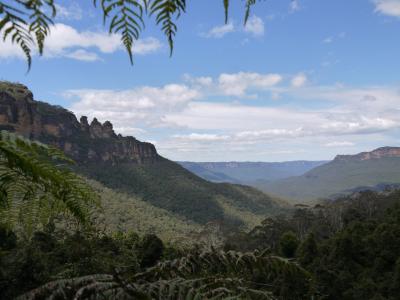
<point>82,54</point>
<point>191,119</point>
<point>388,7</point>
<point>201,137</point>
<point>71,12</point>
<point>130,109</point>
<point>200,82</point>
<point>236,84</point>
<point>331,39</point>
<point>146,46</point>
<point>66,41</point>
<point>294,6</point>
<point>339,144</point>
<point>220,31</point>
<point>8,50</point>
<point>299,80</point>
<point>255,26</point>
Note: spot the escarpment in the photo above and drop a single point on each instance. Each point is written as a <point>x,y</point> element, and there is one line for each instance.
<point>54,125</point>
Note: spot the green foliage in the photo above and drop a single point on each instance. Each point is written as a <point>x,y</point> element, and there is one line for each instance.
<point>27,22</point>
<point>350,246</point>
<point>288,244</point>
<point>198,275</point>
<point>123,212</point>
<point>51,255</point>
<point>167,185</point>
<point>35,186</point>
<point>8,239</point>
<point>151,250</point>
<point>126,18</point>
<point>308,250</point>
<point>337,177</point>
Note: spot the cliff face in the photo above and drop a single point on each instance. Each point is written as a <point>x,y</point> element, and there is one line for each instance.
<point>84,142</point>
<point>375,154</point>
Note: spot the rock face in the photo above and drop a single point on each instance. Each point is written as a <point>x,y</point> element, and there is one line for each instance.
<point>375,154</point>
<point>59,127</point>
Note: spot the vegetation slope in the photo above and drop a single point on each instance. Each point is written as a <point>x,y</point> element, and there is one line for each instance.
<point>167,185</point>
<point>336,177</point>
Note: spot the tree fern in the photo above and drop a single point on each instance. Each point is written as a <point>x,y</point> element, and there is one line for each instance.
<point>14,26</point>
<point>207,275</point>
<point>40,21</point>
<point>35,184</point>
<point>165,11</point>
<point>126,19</point>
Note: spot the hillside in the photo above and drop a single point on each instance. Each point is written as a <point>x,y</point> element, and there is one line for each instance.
<point>344,173</point>
<point>122,212</point>
<point>249,172</point>
<point>167,185</point>
<point>127,165</point>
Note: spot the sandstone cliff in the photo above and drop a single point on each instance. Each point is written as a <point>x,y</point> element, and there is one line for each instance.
<point>375,154</point>
<point>84,142</point>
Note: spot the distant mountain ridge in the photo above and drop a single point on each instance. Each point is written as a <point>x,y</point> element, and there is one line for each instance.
<point>374,154</point>
<point>249,172</point>
<point>346,173</point>
<point>127,165</point>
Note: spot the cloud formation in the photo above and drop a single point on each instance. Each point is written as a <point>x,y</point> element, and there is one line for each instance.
<point>294,6</point>
<point>255,26</point>
<point>129,109</point>
<point>237,84</point>
<point>220,31</point>
<point>66,41</point>
<point>388,7</point>
<point>206,113</point>
<point>71,12</point>
<point>299,80</point>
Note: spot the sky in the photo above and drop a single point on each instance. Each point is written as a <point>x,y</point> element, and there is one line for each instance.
<point>303,80</point>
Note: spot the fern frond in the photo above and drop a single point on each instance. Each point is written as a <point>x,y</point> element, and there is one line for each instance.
<point>13,25</point>
<point>40,21</point>
<point>249,4</point>
<point>165,12</point>
<point>226,10</point>
<point>208,275</point>
<point>29,178</point>
<point>126,19</point>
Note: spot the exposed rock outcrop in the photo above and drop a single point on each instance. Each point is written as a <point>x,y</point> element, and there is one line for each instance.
<point>375,154</point>
<point>54,125</point>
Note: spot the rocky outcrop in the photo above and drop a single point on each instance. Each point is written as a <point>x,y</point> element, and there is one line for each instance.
<point>54,125</point>
<point>375,154</point>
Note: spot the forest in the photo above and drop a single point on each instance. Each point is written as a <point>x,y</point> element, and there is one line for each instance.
<point>343,249</point>
<point>195,182</point>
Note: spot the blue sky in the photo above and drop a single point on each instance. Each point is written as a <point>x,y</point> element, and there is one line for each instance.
<point>305,79</point>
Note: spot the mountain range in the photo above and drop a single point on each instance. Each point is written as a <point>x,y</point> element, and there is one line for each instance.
<point>249,172</point>
<point>130,167</point>
<point>345,174</point>
<point>137,184</point>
